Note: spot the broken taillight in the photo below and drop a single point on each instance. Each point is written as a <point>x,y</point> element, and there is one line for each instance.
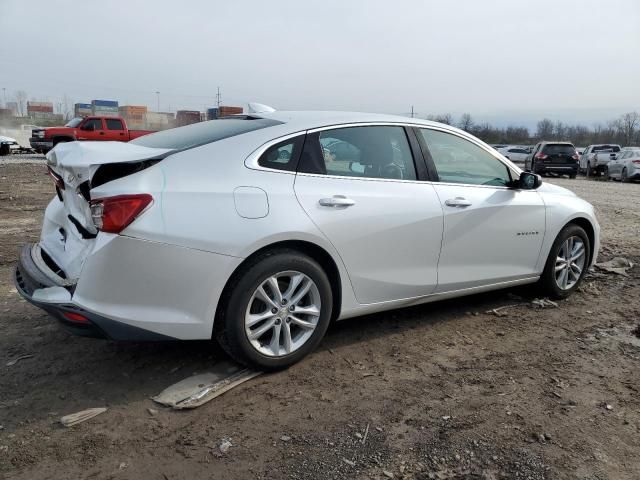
<point>57,179</point>
<point>114,214</point>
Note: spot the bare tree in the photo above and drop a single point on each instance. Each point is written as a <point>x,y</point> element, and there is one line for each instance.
<point>628,124</point>
<point>466,122</point>
<point>442,118</point>
<point>544,129</point>
<point>66,107</point>
<point>20,97</point>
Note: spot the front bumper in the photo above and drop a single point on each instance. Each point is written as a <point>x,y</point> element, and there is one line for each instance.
<point>40,143</point>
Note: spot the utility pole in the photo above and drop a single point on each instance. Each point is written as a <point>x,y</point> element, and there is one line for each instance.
<point>412,111</point>
<point>4,93</point>
<point>218,98</point>
<point>158,94</point>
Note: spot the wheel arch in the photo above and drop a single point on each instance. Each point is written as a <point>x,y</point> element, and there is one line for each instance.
<point>62,138</point>
<point>316,252</point>
<point>587,226</point>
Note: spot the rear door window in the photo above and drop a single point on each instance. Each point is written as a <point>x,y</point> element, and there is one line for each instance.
<point>114,124</point>
<point>372,152</point>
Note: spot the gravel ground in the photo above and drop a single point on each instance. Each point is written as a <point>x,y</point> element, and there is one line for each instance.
<point>446,390</point>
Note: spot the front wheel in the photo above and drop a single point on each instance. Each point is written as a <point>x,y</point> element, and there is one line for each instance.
<point>276,311</point>
<point>567,263</point>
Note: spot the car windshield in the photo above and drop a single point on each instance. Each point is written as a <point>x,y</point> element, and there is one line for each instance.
<point>74,122</point>
<point>202,133</point>
<point>557,148</point>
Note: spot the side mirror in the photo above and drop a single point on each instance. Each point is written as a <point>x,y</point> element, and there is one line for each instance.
<point>529,181</point>
<point>88,127</point>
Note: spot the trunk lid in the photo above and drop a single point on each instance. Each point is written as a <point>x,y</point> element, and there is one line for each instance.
<point>68,232</point>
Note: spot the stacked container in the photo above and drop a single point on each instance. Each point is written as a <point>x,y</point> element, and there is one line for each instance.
<point>105,108</point>
<point>226,111</point>
<point>134,115</point>
<point>39,107</point>
<point>159,120</point>
<point>82,110</point>
<point>187,117</point>
<point>212,113</point>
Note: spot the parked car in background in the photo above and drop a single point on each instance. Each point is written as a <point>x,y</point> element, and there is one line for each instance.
<point>558,158</point>
<point>259,231</point>
<point>626,166</point>
<point>7,144</point>
<point>580,150</point>
<point>595,158</point>
<point>517,154</point>
<point>94,128</point>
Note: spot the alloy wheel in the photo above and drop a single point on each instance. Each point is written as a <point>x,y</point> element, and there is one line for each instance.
<point>570,262</point>
<point>282,313</point>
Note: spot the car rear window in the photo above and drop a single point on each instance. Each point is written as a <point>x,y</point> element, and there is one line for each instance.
<point>559,148</point>
<point>606,148</point>
<point>198,134</point>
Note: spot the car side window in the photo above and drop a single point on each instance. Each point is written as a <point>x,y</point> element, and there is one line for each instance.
<point>458,160</point>
<point>371,152</point>
<point>96,122</point>
<point>283,155</point>
<point>114,124</point>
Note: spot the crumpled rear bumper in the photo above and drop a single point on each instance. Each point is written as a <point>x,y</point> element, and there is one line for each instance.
<point>30,281</point>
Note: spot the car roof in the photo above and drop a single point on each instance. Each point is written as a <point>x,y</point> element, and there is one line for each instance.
<point>316,119</point>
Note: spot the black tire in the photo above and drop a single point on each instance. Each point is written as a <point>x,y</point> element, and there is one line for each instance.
<point>229,324</point>
<point>547,283</point>
<point>623,176</point>
<point>4,149</point>
<point>573,175</point>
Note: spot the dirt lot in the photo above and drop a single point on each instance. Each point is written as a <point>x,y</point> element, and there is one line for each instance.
<point>439,391</point>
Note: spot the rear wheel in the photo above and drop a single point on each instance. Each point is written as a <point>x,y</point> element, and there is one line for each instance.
<point>276,312</point>
<point>567,262</point>
<point>623,176</point>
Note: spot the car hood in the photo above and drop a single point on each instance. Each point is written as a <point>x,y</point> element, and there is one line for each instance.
<point>555,189</point>
<point>4,139</point>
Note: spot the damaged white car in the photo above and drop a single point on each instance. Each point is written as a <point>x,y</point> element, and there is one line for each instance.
<point>260,230</point>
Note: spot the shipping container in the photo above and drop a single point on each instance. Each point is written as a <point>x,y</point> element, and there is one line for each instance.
<point>13,106</point>
<point>224,111</point>
<point>187,117</point>
<point>212,113</point>
<point>104,103</point>
<point>126,110</point>
<point>46,107</point>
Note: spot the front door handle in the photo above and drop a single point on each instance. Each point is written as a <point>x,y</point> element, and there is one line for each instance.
<point>336,201</point>
<point>457,202</point>
<point>101,133</point>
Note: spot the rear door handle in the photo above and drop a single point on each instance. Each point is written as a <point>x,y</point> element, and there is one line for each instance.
<point>336,201</point>
<point>457,202</point>
<point>101,133</point>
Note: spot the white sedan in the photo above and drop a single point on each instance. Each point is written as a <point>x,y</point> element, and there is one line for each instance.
<point>260,230</point>
<point>626,166</point>
<point>516,154</point>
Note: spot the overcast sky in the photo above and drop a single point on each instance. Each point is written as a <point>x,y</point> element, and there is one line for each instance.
<point>500,60</point>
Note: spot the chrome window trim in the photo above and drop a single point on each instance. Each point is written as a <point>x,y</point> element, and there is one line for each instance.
<point>252,160</point>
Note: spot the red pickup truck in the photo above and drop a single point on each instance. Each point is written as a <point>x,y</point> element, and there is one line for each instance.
<point>89,128</point>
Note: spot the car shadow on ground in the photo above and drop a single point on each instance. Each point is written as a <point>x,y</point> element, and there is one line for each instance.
<point>68,373</point>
